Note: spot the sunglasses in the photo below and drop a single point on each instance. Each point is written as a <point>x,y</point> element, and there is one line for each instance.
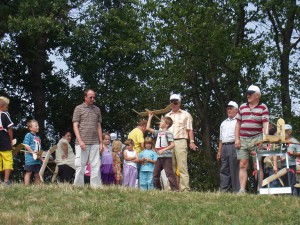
<point>174,102</point>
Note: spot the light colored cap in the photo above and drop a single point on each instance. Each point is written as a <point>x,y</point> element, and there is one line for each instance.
<point>234,104</point>
<point>253,89</point>
<point>288,127</point>
<point>113,136</point>
<point>175,97</point>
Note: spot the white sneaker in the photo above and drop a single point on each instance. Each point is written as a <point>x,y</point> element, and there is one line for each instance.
<point>242,192</point>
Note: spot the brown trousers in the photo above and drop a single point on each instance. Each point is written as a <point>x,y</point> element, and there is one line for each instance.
<point>166,164</point>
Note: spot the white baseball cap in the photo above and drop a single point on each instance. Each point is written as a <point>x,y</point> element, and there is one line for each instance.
<point>288,127</point>
<point>175,97</point>
<point>234,104</point>
<point>113,136</point>
<point>253,89</point>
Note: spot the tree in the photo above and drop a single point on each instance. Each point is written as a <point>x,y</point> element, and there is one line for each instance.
<point>113,59</point>
<point>33,29</point>
<point>284,18</point>
<point>204,53</point>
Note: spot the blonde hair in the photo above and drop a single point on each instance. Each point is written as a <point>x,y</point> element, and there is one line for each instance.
<point>4,101</point>
<point>148,140</point>
<point>116,146</point>
<point>30,122</point>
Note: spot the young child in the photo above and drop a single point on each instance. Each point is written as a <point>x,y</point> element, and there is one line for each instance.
<point>130,164</point>
<point>148,159</point>
<point>107,173</point>
<point>6,136</point>
<point>116,154</point>
<point>164,146</point>
<point>32,144</point>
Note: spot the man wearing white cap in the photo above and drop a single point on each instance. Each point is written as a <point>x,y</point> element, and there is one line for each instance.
<point>229,172</point>
<point>293,152</point>
<point>252,122</point>
<point>182,130</point>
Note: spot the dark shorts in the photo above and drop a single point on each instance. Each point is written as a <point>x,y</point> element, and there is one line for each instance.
<point>32,168</point>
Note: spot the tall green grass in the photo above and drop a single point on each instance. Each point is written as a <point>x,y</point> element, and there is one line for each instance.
<point>65,204</point>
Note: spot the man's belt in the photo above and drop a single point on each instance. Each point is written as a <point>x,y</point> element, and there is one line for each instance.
<point>228,143</point>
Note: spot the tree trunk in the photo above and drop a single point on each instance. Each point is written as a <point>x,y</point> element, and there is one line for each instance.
<point>202,110</point>
<point>285,89</point>
<point>37,84</point>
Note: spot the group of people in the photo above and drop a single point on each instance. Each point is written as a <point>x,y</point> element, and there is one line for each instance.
<point>140,163</point>
<point>143,163</point>
<point>239,133</point>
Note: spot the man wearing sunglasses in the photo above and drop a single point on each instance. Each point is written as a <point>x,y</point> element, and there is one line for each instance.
<point>182,130</point>
<point>252,122</point>
<point>87,128</point>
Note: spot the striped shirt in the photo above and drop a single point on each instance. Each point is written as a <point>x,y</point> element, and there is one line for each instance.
<point>88,118</point>
<point>252,119</point>
<point>182,123</point>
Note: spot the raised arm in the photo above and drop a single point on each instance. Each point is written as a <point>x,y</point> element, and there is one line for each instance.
<point>150,115</point>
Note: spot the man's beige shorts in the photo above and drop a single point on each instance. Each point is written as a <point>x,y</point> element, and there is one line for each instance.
<point>247,145</point>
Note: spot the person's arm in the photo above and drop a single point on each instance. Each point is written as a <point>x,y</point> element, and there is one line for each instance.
<point>10,133</point>
<point>141,158</point>
<point>64,147</point>
<point>135,158</point>
<point>77,134</point>
<point>265,127</point>
<point>150,160</point>
<point>169,147</point>
<point>99,130</point>
<point>219,150</point>
<point>237,142</point>
<point>192,140</point>
<point>128,158</point>
<point>142,145</point>
<point>28,148</point>
<point>150,115</point>
<point>26,142</point>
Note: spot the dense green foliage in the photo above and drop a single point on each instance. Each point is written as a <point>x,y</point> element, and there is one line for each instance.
<point>134,53</point>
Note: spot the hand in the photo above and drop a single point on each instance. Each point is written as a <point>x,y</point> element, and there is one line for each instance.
<point>237,143</point>
<point>193,146</point>
<point>218,156</point>
<point>159,152</point>
<point>291,153</point>
<point>82,145</point>
<point>34,156</point>
<point>150,115</point>
<point>64,156</point>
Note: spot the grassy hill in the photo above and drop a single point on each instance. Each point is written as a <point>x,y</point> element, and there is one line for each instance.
<point>65,204</point>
